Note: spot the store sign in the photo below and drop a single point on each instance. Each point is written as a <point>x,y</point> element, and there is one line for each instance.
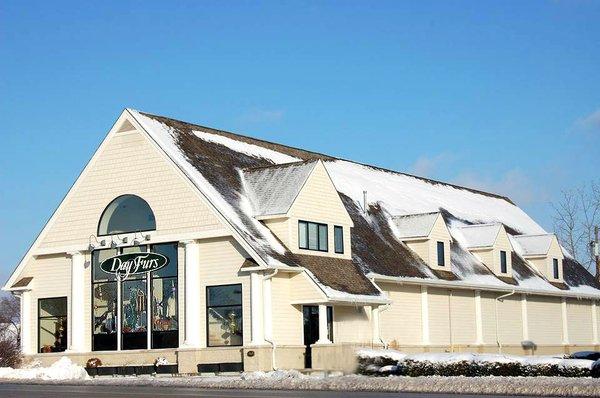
<point>133,263</point>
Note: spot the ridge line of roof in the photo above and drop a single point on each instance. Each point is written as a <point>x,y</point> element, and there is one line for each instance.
<point>532,235</point>
<point>299,162</point>
<point>330,157</point>
<point>415,214</point>
<point>488,224</point>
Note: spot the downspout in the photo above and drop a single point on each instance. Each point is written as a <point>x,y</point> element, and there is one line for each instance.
<point>270,339</point>
<point>500,298</point>
<point>381,309</point>
<point>450,320</point>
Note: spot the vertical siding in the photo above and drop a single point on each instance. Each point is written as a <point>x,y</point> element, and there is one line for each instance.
<point>488,317</point>
<point>220,261</point>
<point>579,316</point>
<point>439,318</point>
<point>352,324</point>
<point>510,323</point>
<point>464,329</point>
<point>401,322</point>
<point>129,164</point>
<point>319,201</point>
<point>287,318</point>
<point>545,320</point>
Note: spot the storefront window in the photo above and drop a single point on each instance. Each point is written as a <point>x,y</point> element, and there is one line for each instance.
<point>135,297</point>
<point>224,315</point>
<point>104,304</point>
<point>52,324</point>
<point>165,326</point>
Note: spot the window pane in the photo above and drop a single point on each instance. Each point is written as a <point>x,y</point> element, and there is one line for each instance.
<point>441,260</point>
<point>97,257</point>
<point>503,267</point>
<point>225,326</point>
<point>338,237</point>
<point>224,295</point>
<point>313,243</point>
<point>52,334</point>
<point>555,268</point>
<point>127,213</point>
<point>323,237</point>
<point>135,249</point>
<point>169,250</point>
<point>53,307</point>
<point>164,304</point>
<point>104,309</point>
<point>134,325</point>
<point>302,230</point>
<point>330,323</point>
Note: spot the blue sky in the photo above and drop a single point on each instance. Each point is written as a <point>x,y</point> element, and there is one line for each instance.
<point>502,96</point>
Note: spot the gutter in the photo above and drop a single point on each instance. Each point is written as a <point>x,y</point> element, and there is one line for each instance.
<point>472,286</point>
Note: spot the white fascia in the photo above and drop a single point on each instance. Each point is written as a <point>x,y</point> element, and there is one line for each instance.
<point>470,286</point>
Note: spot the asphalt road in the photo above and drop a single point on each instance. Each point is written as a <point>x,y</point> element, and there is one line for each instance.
<point>61,391</point>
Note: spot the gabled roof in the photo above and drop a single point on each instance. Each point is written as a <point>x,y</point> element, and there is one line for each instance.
<point>534,245</point>
<point>415,225</point>
<point>273,189</point>
<point>217,162</point>
<point>480,235</point>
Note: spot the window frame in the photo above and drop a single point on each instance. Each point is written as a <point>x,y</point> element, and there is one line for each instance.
<point>335,240</point>
<point>503,262</point>
<point>207,307</point>
<point>443,257</point>
<point>318,225</point>
<point>66,316</point>
<point>555,268</point>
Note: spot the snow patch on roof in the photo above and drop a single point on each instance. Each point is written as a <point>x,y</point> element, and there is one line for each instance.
<point>403,194</point>
<point>248,149</point>
<point>415,225</point>
<point>532,245</point>
<point>481,235</point>
<point>272,190</point>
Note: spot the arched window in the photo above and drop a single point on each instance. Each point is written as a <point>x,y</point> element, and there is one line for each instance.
<point>127,213</point>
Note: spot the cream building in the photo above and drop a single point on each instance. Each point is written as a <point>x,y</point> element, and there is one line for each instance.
<point>222,252</point>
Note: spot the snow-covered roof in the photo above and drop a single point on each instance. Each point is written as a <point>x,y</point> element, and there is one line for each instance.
<point>415,225</point>
<point>534,245</point>
<point>273,189</point>
<point>228,169</point>
<point>479,235</point>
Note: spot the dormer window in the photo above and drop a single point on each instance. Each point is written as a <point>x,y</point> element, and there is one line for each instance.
<point>441,257</point>
<point>555,271</point>
<point>312,236</point>
<point>338,239</point>
<point>544,253</point>
<point>503,263</point>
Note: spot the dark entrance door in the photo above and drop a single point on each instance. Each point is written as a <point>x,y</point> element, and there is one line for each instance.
<point>310,314</point>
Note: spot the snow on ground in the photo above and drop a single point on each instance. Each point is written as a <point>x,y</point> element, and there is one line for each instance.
<point>531,386</point>
<point>63,369</point>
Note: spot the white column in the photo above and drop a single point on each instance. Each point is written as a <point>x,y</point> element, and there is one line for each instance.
<point>478,318</point>
<point>192,294</point>
<point>524,317</point>
<point>565,322</point>
<point>27,324</point>
<point>268,309</point>
<point>77,316</point>
<point>256,303</point>
<point>594,322</point>
<point>323,338</point>
<point>375,322</point>
<point>424,316</point>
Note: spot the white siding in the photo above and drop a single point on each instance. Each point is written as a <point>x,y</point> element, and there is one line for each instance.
<point>401,322</point>
<point>352,324</point>
<point>579,315</point>
<point>545,320</point>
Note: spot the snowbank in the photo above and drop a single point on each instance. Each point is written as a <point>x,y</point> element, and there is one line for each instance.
<point>63,369</point>
<point>386,362</point>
